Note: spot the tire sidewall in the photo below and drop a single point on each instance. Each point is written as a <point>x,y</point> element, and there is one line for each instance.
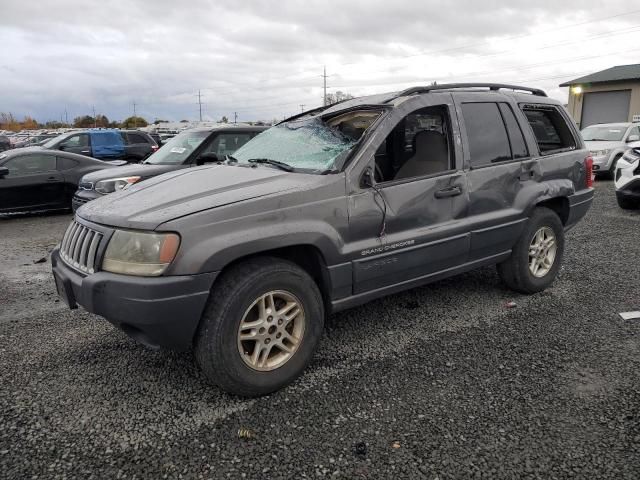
<point>224,341</point>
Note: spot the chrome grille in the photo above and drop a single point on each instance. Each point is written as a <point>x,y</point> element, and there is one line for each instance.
<point>79,247</point>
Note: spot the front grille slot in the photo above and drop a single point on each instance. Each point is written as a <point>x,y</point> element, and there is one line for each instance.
<point>79,247</point>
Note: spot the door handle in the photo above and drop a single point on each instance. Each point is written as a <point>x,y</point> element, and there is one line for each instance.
<point>53,179</point>
<point>85,151</point>
<point>448,192</point>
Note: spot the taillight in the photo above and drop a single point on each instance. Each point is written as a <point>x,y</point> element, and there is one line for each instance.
<point>588,171</point>
<point>154,147</point>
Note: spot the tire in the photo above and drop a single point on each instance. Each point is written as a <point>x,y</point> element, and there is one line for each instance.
<point>232,300</point>
<point>516,272</point>
<point>627,204</point>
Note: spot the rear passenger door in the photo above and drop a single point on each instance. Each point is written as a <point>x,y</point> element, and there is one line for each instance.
<point>79,143</point>
<point>494,152</point>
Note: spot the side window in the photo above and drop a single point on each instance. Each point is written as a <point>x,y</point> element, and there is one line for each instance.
<point>227,143</point>
<point>136,138</point>
<point>79,140</point>
<point>516,138</point>
<point>549,127</point>
<point>488,141</point>
<point>634,131</point>
<point>419,145</point>
<point>65,163</point>
<point>31,164</point>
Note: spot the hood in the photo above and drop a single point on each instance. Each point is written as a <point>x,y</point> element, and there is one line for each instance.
<point>602,145</point>
<point>134,170</point>
<point>148,204</point>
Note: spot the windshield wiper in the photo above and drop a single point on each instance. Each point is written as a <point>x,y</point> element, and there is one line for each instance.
<point>281,165</point>
<point>230,159</point>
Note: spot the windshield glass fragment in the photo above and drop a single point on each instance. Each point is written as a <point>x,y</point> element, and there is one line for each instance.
<point>309,145</point>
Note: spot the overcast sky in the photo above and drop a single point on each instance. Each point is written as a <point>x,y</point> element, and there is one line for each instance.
<point>263,59</point>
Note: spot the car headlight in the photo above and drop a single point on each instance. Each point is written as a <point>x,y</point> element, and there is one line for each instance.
<point>111,185</point>
<point>600,153</point>
<point>138,253</point>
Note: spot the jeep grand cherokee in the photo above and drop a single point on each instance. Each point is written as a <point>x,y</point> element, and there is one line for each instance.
<point>242,261</point>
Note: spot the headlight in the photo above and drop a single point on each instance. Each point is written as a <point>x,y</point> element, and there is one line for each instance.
<point>600,153</point>
<point>114,184</point>
<point>137,253</point>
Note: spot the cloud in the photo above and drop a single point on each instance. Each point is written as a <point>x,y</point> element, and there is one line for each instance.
<point>263,59</point>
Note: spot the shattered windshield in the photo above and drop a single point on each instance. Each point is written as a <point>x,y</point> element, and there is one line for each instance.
<point>309,145</point>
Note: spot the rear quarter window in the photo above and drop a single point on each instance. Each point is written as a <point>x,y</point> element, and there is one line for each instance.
<point>550,129</point>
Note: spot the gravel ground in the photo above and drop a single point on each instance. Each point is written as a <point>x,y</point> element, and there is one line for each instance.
<point>438,382</point>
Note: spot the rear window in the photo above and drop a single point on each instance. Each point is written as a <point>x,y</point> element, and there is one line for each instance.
<point>549,128</point>
<point>136,138</point>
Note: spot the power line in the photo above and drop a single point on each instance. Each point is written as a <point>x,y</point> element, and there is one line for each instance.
<point>200,104</point>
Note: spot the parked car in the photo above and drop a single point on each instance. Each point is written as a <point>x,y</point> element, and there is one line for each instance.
<point>627,178</point>
<point>105,144</point>
<point>190,148</point>
<point>5,143</point>
<point>38,180</point>
<point>608,142</point>
<point>34,140</point>
<point>242,260</point>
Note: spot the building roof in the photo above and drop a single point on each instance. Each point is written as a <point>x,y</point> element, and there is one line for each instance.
<point>614,74</point>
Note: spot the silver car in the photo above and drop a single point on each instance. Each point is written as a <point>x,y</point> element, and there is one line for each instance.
<point>608,142</point>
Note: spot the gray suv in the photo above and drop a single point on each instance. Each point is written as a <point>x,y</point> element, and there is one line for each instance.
<point>243,260</point>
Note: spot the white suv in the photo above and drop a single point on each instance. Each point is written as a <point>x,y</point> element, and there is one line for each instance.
<point>627,178</point>
<point>608,142</point>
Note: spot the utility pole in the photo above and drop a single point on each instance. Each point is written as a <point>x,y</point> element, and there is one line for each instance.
<point>302,107</point>
<point>200,104</point>
<point>66,117</point>
<point>324,78</point>
<point>95,120</point>
<point>135,119</point>
<point>235,117</point>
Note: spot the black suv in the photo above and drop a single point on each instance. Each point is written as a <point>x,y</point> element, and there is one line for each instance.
<point>243,260</point>
<point>190,148</point>
<point>105,144</point>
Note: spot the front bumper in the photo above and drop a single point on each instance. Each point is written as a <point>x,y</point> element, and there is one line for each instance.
<point>630,190</point>
<point>157,311</point>
<point>83,196</point>
<point>602,163</point>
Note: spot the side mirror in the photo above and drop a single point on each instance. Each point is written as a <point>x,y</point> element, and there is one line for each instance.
<point>4,171</point>
<point>367,180</point>
<point>633,138</point>
<point>208,157</point>
<point>62,147</point>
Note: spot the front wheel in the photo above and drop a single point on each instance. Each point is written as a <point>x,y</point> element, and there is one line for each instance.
<point>535,259</point>
<point>260,327</point>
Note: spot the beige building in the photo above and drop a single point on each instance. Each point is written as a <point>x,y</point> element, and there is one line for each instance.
<point>612,95</point>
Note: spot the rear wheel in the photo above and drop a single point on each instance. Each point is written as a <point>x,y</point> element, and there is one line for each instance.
<point>260,328</point>
<point>537,255</point>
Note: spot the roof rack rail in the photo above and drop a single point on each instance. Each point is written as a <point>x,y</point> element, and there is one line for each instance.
<point>452,86</point>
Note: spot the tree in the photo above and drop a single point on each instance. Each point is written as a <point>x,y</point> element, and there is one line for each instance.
<point>160,121</point>
<point>224,120</point>
<point>134,122</point>
<point>86,121</point>
<point>102,121</point>
<point>8,122</point>
<point>184,121</point>
<point>337,97</point>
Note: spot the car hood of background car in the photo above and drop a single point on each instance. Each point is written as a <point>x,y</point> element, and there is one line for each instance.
<point>595,145</point>
<point>148,204</point>
<point>144,170</point>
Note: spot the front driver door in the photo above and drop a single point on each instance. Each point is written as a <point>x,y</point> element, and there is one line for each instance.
<point>33,183</point>
<point>409,225</point>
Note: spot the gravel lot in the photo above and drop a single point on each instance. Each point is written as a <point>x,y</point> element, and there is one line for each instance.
<point>438,382</point>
